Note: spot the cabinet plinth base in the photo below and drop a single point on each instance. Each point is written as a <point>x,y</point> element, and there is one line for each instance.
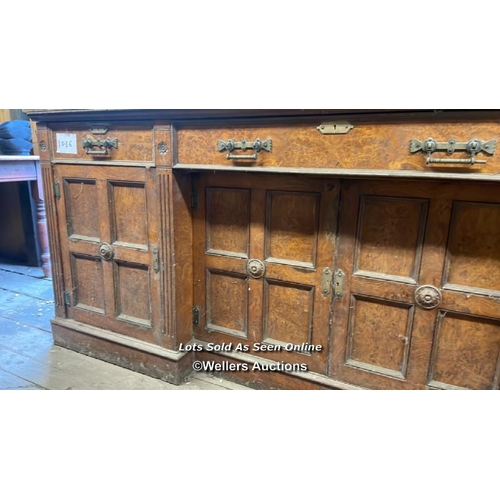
<point>168,366</point>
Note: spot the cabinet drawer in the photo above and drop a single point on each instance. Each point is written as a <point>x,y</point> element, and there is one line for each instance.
<point>367,147</point>
<point>133,143</point>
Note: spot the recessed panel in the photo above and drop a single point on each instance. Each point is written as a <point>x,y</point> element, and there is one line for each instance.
<point>379,336</point>
<point>129,212</point>
<point>82,211</point>
<point>292,227</point>
<point>88,285</point>
<point>288,312</point>
<point>474,246</point>
<point>466,353</point>
<point>227,303</point>
<point>390,236</point>
<point>132,292</point>
<point>228,221</point>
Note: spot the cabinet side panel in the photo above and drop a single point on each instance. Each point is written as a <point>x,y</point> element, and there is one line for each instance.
<point>183,249</point>
<point>176,257</point>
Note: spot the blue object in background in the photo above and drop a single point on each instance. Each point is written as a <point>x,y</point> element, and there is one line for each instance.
<point>15,138</point>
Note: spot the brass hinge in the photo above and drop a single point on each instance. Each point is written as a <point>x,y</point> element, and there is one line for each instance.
<point>156,260</point>
<point>196,316</point>
<point>67,298</point>
<point>194,200</point>
<point>326,282</point>
<point>57,190</point>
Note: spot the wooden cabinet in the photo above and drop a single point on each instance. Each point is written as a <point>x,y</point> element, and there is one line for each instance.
<point>120,233</point>
<point>327,260</point>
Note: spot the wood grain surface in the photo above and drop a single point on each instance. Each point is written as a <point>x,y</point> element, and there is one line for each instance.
<point>381,146</point>
<point>289,225</point>
<point>383,339</point>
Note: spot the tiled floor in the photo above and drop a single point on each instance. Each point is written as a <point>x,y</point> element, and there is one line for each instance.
<point>30,361</point>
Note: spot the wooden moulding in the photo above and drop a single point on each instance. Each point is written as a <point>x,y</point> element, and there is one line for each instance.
<point>176,256</point>
<point>141,357</point>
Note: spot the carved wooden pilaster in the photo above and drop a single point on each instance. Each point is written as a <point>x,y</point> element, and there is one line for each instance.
<point>176,256</point>
<point>52,224</point>
<point>166,251</point>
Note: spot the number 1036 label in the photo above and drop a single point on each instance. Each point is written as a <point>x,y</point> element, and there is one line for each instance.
<point>66,143</point>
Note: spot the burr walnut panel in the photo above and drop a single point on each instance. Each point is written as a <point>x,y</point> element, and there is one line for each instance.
<point>390,235</point>
<point>292,227</point>
<point>126,200</point>
<point>466,353</point>
<point>474,246</point>
<point>227,303</point>
<point>81,200</point>
<point>134,307</point>
<point>135,143</point>
<point>368,146</point>
<point>228,213</point>
<point>379,335</point>
<point>288,312</point>
<point>88,285</point>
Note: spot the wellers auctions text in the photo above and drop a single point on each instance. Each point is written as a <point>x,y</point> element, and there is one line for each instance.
<point>228,366</point>
<point>257,347</point>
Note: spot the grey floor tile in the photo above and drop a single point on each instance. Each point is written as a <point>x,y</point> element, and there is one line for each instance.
<point>36,272</point>
<point>12,382</point>
<point>26,285</point>
<point>29,360</point>
<point>26,309</point>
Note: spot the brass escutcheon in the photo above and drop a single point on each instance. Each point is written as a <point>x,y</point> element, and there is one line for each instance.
<point>428,297</point>
<point>256,268</point>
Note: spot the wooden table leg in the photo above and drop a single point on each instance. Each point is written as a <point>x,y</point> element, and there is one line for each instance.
<point>41,217</point>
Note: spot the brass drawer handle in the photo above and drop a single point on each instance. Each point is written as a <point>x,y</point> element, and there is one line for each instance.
<point>257,146</point>
<point>473,147</point>
<point>104,146</point>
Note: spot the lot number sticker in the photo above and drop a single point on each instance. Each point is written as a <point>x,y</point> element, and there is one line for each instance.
<point>66,143</point>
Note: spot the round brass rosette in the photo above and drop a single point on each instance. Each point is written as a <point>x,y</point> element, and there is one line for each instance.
<point>428,297</point>
<point>256,268</point>
<point>106,251</point>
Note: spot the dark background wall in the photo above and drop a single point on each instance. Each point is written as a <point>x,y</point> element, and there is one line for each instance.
<point>18,235</point>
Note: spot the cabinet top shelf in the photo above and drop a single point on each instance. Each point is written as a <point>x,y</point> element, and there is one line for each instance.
<point>360,115</point>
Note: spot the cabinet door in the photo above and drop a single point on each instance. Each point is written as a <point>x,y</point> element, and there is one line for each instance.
<point>109,245</point>
<point>262,245</point>
<point>422,288</point>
